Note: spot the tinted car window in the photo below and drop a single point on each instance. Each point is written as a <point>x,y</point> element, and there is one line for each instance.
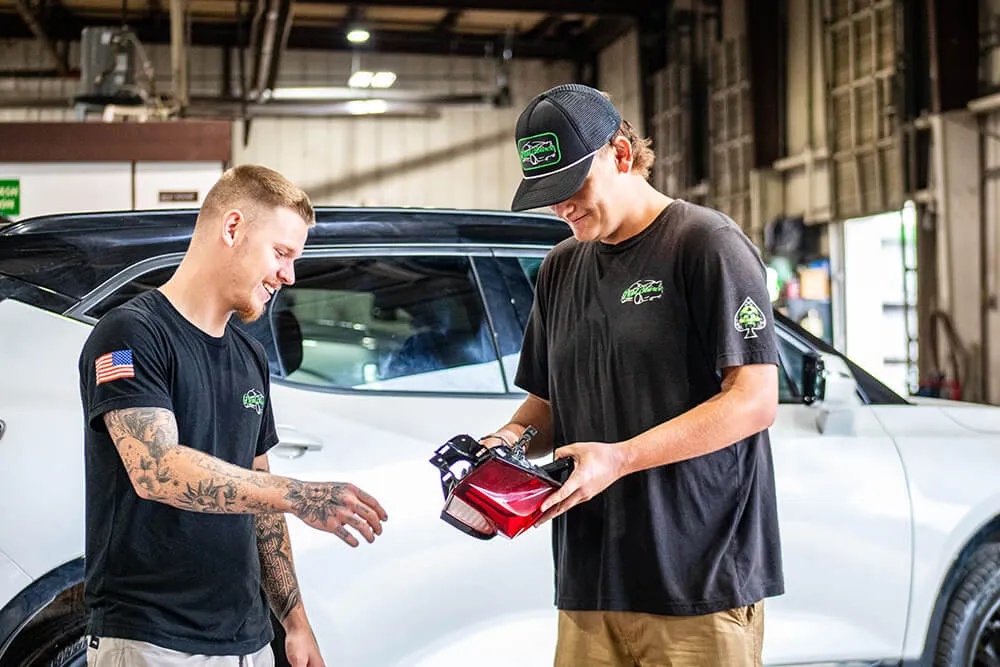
<point>519,275</point>
<point>386,323</point>
<point>530,266</point>
<point>790,373</point>
<point>261,329</point>
<point>137,286</point>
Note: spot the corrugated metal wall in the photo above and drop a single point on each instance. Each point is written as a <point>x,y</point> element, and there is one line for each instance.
<point>204,64</point>
<point>806,190</point>
<point>730,129</point>
<point>989,278</point>
<point>861,67</point>
<point>30,55</point>
<point>618,75</point>
<point>464,158</point>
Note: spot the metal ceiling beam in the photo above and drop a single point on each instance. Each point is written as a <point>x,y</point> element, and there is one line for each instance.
<point>288,8</point>
<point>605,32</point>
<point>318,37</point>
<point>543,29</point>
<point>449,21</point>
<point>276,27</point>
<point>178,62</point>
<point>39,32</point>
<point>598,7</point>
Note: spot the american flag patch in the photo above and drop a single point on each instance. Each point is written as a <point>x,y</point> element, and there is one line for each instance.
<point>114,366</point>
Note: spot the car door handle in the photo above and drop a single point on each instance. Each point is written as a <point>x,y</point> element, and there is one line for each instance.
<point>293,443</point>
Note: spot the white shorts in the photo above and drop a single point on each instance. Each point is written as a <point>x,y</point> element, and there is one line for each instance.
<point>115,652</point>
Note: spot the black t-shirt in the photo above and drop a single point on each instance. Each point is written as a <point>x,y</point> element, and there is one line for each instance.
<point>182,580</point>
<point>625,337</point>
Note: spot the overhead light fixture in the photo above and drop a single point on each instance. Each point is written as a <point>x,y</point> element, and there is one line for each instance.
<point>313,93</point>
<point>383,79</point>
<point>358,35</point>
<point>360,79</point>
<point>364,107</point>
<point>365,79</point>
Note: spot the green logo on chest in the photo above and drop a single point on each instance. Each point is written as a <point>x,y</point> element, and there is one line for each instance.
<point>642,291</point>
<point>254,400</point>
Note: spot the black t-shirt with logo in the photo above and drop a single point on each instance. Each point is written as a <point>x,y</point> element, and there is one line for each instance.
<point>625,337</point>
<point>183,580</point>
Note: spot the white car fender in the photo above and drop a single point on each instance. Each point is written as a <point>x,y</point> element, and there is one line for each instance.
<point>950,504</point>
<point>39,361</point>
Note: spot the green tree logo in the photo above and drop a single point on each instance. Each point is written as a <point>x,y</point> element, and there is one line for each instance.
<point>749,319</point>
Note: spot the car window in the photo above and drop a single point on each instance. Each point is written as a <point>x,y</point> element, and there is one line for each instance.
<point>135,287</point>
<point>790,371</point>
<point>530,266</point>
<point>413,324</point>
<point>519,275</point>
<point>261,329</point>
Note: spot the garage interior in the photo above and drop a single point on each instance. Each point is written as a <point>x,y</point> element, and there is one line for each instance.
<point>857,142</point>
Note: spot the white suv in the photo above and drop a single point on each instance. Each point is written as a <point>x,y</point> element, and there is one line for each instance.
<point>403,330</point>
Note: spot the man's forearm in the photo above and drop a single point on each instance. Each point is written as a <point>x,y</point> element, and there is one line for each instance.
<point>277,569</point>
<point>191,480</point>
<point>741,409</point>
<point>171,473</point>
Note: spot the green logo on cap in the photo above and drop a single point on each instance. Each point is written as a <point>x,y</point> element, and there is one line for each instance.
<point>540,150</point>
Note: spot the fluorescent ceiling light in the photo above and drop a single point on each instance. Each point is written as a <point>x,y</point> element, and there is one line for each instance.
<point>365,79</point>
<point>383,79</point>
<point>358,35</point>
<point>360,79</point>
<point>362,107</point>
<point>313,93</point>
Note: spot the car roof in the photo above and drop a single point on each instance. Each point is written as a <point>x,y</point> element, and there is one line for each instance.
<point>73,254</point>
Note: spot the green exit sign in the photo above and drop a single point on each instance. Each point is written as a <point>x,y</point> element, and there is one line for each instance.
<point>10,197</point>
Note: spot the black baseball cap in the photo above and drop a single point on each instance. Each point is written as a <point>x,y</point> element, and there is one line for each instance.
<point>557,135</point>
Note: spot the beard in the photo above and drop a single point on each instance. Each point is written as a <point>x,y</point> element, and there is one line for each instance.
<point>249,312</point>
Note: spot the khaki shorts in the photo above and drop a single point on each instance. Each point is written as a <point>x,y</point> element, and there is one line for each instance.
<point>730,638</point>
<point>114,652</point>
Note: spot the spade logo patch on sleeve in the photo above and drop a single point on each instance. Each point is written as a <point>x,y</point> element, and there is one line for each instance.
<point>749,319</point>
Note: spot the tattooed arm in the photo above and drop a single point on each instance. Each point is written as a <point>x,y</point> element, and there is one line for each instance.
<point>277,575</point>
<point>277,571</point>
<point>163,470</point>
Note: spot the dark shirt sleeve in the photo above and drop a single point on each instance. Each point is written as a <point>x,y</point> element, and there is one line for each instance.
<point>268,436</point>
<point>122,365</point>
<point>727,298</point>
<point>533,366</point>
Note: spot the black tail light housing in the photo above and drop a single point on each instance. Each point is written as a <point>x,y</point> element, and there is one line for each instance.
<point>490,491</point>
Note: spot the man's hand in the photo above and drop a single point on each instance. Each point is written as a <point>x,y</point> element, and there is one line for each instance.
<point>301,648</point>
<point>332,506</point>
<point>597,466</point>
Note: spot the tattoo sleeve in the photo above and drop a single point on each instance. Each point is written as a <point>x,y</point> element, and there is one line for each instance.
<point>277,570</point>
<point>161,469</point>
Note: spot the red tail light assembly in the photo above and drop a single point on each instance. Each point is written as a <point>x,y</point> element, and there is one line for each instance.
<point>494,490</point>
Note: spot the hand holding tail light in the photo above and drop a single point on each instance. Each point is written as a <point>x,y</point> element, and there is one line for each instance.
<point>495,490</point>
<point>597,466</point>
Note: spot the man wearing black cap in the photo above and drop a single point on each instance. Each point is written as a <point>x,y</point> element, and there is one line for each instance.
<point>650,358</point>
